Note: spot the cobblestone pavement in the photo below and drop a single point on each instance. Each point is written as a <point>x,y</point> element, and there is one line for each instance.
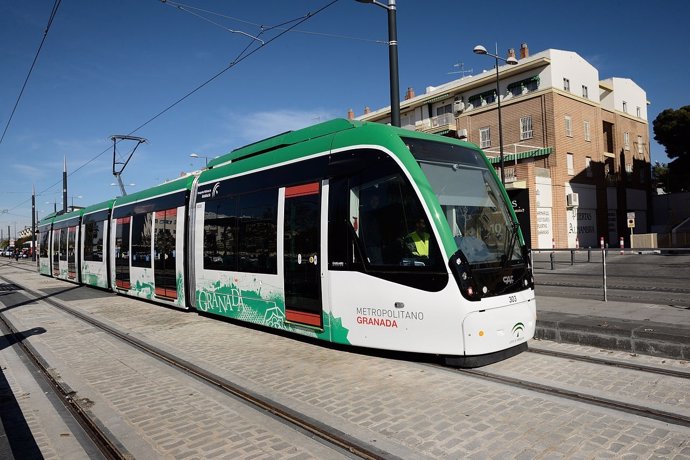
<point>406,408</point>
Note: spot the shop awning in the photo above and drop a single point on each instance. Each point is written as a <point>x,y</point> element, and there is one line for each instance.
<point>522,155</point>
<point>437,98</point>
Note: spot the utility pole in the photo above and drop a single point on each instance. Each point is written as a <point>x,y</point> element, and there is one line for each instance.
<point>33,223</point>
<point>64,186</point>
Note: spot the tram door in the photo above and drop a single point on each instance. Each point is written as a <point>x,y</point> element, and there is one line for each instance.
<point>55,255</point>
<point>122,229</point>
<point>302,259</point>
<point>165,249</point>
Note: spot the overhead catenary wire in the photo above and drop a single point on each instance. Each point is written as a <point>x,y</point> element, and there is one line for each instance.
<point>244,54</point>
<point>53,13</point>
<point>189,8</point>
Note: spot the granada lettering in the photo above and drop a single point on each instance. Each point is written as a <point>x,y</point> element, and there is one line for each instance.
<point>220,302</point>
<point>377,321</point>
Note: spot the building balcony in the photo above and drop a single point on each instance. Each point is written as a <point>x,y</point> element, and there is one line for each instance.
<point>437,125</point>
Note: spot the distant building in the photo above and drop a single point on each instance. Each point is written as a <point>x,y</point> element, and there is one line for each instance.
<point>576,148</point>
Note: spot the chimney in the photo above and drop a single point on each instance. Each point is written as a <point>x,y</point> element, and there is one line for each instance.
<point>410,93</point>
<point>367,110</point>
<point>350,115</point>
<point>511,53</point>
<point>524,51</point>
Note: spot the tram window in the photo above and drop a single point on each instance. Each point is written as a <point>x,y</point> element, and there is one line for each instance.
<point>258,232</point>
<point>141,240</point>
<point>93,241</point>
<point>240,233</point>
<point>43,250</point>
<point>220,234</point>
<point>382,215</point>
<point>392,225</point>
<point>63,244</point>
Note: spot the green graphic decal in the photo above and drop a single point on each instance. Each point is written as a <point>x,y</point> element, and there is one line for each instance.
<point>264,309</point>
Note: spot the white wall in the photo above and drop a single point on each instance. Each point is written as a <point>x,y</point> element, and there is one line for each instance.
<point>624,89</point>
<point>567,64</point>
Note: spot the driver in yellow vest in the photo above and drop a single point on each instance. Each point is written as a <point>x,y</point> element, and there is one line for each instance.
<point>418,241</point>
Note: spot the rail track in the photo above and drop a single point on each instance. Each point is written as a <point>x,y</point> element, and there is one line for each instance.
<point>111,447</point>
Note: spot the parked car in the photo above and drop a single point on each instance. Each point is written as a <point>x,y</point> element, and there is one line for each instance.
<point>9,252</point>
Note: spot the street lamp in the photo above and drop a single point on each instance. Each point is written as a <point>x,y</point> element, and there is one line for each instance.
<point>196,155</point>
<point>479,49</point>
<point>392,58</point>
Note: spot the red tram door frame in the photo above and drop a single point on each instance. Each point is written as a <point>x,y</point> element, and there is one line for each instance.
<point>302,255</point>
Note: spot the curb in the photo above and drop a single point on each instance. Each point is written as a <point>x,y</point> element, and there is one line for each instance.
<point>647,338</point>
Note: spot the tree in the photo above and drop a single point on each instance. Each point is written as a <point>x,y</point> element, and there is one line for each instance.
<point>660,176</point>
<point>672,130</point>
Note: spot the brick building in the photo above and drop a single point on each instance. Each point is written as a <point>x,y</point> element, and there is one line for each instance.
<point>576,148</point>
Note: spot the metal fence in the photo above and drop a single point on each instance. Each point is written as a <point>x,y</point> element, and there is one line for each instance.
<point>634,265</point>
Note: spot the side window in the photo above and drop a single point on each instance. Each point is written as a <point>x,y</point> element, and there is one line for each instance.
<point>141,240</point>
<point>43,251</point>
<point>220,235</point>
<point>258,232</point>
<point>377,223</point>
<point>93,241</point>
<point>63,243</point>
<point>241,233</point>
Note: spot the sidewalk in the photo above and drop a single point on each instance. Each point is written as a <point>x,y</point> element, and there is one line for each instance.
<point>657,330</point>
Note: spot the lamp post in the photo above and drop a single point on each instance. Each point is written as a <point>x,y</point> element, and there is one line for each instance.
<point>392,58</point>
<point>196,155</point>
<point>479,49</point>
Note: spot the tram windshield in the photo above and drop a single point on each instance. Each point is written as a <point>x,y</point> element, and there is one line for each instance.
<point>471,200</point>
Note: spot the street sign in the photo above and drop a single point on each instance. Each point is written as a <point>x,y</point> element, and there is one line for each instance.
<point>631,223</point>
<point>631,215</point>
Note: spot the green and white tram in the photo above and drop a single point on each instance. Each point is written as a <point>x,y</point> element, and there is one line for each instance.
<point>355,233</point>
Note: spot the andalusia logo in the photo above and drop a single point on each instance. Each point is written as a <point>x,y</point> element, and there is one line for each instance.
<point>518,329</point>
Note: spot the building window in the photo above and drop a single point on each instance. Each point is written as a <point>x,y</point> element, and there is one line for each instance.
<point>585,92</point>
<point>626,141</point>
<point>570,164</point>
<point>588,166</point>
<point>566,84</point>
<point>588,137</point>
<point>444,109</point>
<point>484,137</point>
<point>625,107</point>
<point>526,131</point>
<point>568,126</point>
<point>640,147</point>
<point>639,112</point>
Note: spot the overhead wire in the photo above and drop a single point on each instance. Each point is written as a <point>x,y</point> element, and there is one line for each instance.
<point>54,11</point>
<point>188,9</point>
<point>240,57</point>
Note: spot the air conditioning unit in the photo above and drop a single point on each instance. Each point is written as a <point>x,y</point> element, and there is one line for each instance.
<point>462,133</point>
<point>573,200</point>
<point>458,106</point>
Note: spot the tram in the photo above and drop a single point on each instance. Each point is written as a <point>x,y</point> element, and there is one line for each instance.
<point>351,232</point>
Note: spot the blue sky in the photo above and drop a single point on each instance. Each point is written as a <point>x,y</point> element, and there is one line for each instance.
<point>107,67</point>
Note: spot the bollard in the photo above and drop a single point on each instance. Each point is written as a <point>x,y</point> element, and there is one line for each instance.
<point>572,257</point>
<point>589,255</point>
<point>622,245</point>
<point>601,242</point>
<point>552,260</point>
